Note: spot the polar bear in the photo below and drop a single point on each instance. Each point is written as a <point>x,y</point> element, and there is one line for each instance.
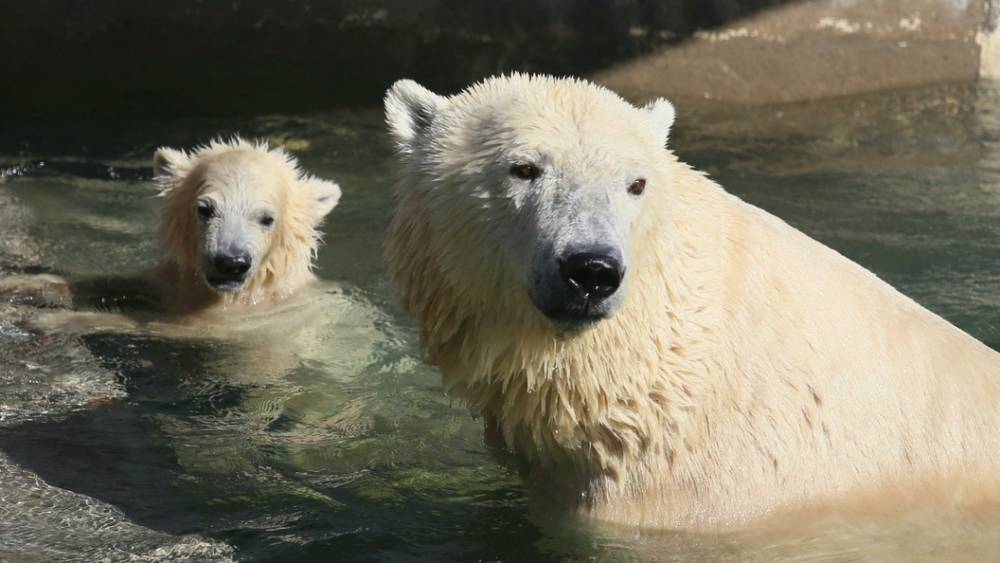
<point>239,224</point>
<point>656,351</point>
<point>233,306</point>
<point>240,227</point>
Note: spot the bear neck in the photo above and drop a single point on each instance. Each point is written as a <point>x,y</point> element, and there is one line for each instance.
<point>603,404</point>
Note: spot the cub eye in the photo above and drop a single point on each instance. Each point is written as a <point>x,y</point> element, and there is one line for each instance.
<point>206,211</point>
<point>637,187</point>
<point>267,220</point>
<point>525,171</point>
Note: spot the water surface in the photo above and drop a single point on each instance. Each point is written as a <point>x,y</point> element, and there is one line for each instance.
<point>341,445</point>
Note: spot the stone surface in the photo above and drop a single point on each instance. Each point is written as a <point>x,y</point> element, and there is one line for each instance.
<point>813,49</point>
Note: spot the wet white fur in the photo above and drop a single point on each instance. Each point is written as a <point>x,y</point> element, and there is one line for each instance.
<point>750,371</point>
<point>241,180</point>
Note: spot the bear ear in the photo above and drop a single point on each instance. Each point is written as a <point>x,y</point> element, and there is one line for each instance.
<point>170,162</point>
<point>323,196</point>
<point>661,112</point>
<point>409,111</point>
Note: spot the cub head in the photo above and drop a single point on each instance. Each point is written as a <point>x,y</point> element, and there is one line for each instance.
<point>236,213</point>
<point>527,184</point>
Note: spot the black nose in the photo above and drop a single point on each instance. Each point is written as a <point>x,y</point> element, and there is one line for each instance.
<point>595,276</point>
<point>232,265</point>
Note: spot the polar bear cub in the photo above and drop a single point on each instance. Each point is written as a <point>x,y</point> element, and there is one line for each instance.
<point>240,228</point>
<point>240,224</point>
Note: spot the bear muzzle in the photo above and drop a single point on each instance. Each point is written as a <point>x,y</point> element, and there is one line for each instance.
<point>228,272</point>
<point>592,276</point>
<point>587,290</point>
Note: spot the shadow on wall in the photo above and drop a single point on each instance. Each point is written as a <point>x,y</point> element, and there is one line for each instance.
<point>100,59</point>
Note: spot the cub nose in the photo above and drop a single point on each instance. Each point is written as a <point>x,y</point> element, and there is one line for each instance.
<point>593,275</point>
<point>232,265</point>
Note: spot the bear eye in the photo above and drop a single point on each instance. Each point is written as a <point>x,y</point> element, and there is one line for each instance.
<point>525,171</point>
<point>267,220</point>
<point>637,187</point>
<point>205,211</point>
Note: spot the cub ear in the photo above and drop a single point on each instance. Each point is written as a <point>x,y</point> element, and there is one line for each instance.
<point>323,196</point>
<point>661,113</point>
<point>170,162</point>
<point>409,111</point>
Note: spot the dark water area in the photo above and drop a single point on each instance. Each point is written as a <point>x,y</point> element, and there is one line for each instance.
<point>343,447</point>
<point>114,59</point>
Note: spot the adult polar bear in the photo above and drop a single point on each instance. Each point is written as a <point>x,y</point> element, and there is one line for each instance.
<point>655,350</point>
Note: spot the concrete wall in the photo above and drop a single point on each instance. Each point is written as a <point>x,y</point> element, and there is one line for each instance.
<point>814,49</point>
<point>120,58</point>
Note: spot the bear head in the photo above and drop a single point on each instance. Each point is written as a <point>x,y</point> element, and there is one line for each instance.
<point>527,185</point>
<point>240,215</point>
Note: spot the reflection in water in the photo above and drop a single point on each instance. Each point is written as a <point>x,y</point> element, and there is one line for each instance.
<point>311,438</point>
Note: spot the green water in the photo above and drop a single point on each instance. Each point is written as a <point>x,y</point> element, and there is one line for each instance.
<point>345,447</point>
